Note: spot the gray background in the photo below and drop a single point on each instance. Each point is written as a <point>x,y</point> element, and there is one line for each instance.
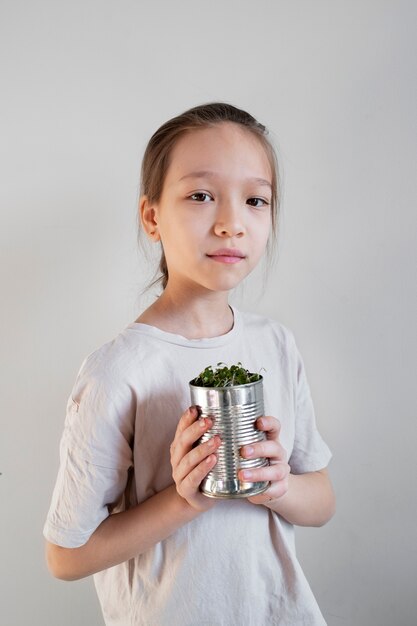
<point>84,85</point>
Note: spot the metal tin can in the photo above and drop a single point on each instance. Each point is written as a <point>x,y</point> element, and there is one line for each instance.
<point>234,411</point>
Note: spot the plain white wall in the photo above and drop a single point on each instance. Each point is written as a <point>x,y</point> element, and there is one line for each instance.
<point>84,85</point>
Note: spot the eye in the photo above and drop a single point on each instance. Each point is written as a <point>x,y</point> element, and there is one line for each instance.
<point>258,206</point>
<point>199,193</point>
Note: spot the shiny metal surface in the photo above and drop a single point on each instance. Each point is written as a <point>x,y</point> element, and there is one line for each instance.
<point>234,411</point>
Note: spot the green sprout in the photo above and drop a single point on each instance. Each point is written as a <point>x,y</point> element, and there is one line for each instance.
<point>224,376</point>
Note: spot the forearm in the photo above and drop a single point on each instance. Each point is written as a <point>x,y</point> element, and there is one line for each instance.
<point>122,536</point>
<point>309,501</point>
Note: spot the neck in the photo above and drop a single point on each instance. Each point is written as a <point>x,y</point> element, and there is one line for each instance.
<point>194,317</point>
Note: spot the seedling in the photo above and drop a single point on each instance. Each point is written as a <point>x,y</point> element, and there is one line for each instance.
<point>224,376</point>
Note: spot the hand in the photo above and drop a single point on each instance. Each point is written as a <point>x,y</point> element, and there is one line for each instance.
<point>191,464</point>
<point>277,472</point>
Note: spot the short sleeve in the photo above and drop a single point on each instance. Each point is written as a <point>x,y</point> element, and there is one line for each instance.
<point>95,458</point>
<point>310,452</point>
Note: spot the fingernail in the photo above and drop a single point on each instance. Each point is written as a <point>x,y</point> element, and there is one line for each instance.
<point>246,474</point>
<point>248,450</point>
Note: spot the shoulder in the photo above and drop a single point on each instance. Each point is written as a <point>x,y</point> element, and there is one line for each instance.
<point>110,366</point>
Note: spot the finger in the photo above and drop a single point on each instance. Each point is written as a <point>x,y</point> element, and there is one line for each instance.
<point>185,440</point>
<point>276,491</point>
<point>195,457</point>
<point>188,417</point>
<point>273,473</point>
<point>269,424</point>
<point>192,481</point>
<point>268,448</point>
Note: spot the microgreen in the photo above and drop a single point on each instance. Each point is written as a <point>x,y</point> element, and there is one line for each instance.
<point>224,376</point>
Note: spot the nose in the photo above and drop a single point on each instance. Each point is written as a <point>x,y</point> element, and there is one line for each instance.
<point>229,220</point>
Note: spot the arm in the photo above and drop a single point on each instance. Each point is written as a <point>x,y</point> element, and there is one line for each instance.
<point>124,535</point>
<point>303,499</point>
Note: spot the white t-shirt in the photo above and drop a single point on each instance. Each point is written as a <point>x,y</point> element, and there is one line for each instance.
<point>234,565</point>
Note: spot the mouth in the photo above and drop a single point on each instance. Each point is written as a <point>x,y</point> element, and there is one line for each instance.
<point>227,255</point>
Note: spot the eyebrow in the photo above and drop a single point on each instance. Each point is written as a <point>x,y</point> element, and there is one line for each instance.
<point>208,174</point>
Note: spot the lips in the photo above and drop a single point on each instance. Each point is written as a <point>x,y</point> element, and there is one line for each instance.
<point>227,255</point>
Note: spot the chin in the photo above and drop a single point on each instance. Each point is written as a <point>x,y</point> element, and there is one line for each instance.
<point>222,281</point>
<point>223,285</point>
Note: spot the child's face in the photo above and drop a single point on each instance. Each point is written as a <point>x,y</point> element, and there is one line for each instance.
<point>199,215</point>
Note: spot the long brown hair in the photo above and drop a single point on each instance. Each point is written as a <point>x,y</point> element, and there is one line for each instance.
<point>156,159</point>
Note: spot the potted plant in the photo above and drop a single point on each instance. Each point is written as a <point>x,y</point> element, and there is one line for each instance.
<point>232,397</point>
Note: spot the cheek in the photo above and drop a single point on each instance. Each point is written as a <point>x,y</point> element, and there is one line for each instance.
<point>171,233</point>
<point>181,241</point>
<point>263,232</point>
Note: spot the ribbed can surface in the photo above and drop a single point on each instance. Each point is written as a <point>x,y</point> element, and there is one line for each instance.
<point>234,411</point>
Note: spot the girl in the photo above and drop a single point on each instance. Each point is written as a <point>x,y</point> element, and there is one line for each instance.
<point>126,505</point>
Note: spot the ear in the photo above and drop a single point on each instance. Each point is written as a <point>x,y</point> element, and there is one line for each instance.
<point>148,217</point>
